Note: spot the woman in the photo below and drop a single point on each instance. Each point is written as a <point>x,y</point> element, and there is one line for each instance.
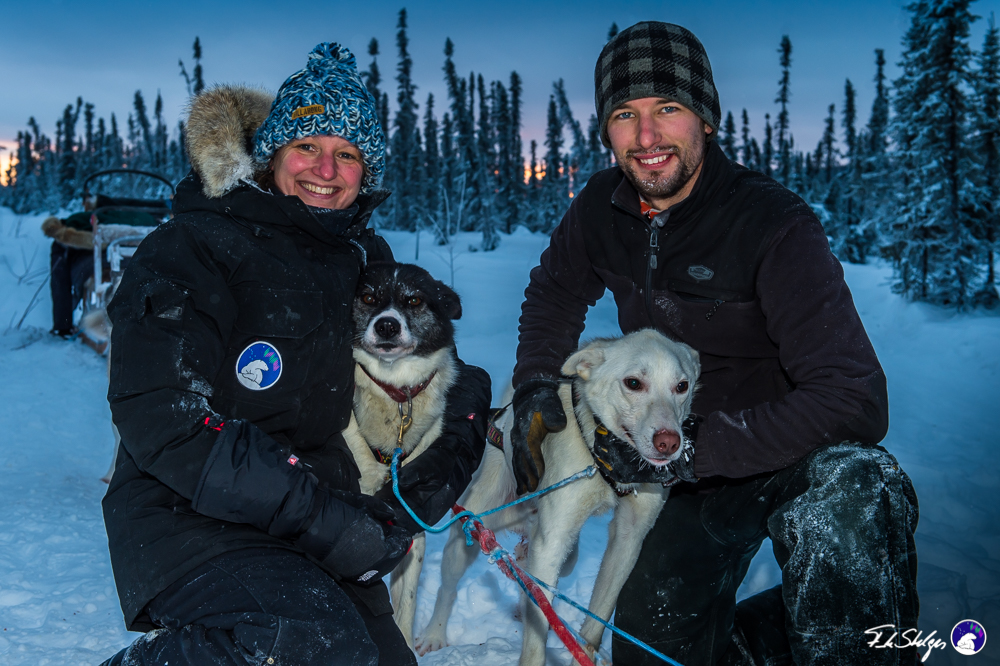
<point>234,519</point>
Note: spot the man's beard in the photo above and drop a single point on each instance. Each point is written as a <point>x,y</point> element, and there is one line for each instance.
<point>659,186</point>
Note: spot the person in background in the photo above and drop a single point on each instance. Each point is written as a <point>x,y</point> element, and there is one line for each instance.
<point>71,260</point>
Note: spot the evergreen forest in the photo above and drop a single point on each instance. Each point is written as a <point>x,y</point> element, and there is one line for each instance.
<point>917,183</point>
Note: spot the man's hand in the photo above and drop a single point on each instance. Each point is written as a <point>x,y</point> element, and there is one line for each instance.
<point>537,412</point>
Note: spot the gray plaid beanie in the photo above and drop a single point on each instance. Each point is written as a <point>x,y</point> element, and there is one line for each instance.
<point>654,59</point>
<point>327,97</point>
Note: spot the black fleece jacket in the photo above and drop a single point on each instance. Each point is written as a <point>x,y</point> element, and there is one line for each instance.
<point>740,270</point>
<point>206,464</point>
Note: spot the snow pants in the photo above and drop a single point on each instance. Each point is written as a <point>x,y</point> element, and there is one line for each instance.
<point>69,269</point>
<point>260,607</point>
<point>841,522</point>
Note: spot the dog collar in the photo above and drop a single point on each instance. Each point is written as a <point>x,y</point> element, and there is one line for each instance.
<point>386,458</point>
<point>400,394</point>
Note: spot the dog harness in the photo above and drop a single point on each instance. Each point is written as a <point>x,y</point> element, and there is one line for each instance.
<point>494,435</point>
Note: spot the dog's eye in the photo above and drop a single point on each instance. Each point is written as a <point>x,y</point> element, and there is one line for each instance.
<point>681,387</point>
<point>415,300</point>
<point>632,384</point>
<point>368,299</point>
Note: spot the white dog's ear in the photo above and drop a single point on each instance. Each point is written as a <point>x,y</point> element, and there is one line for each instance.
<point>695,360</point>
<point>583,362</point>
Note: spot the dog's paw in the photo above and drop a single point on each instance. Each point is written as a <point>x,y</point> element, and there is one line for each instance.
<point>431,641</point>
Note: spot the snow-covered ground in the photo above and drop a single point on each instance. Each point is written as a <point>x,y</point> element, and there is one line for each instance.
<point>58,604</point>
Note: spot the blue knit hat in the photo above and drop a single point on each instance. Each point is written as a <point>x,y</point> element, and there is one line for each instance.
<point>327,97</point>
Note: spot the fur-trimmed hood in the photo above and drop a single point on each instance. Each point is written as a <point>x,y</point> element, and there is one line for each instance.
<point>58,230</point>
<point>220,133</point>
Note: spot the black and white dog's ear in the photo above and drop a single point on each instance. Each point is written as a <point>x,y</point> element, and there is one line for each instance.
<point>448,300</point>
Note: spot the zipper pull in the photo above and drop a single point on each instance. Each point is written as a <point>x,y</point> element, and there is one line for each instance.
<point>654,244</point>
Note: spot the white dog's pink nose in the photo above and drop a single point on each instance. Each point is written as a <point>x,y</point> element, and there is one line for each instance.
<point>667,441</point>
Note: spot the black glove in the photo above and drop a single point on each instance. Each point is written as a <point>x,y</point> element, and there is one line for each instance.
<point>433,481</point>
<point>621,463</point>
<point>350,538</point>
<point>537,412</point>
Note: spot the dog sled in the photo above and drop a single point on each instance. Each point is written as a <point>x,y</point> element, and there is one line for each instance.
<point>119,225</point>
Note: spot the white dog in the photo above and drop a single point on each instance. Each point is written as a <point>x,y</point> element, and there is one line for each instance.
<point>405,363</point>
<point>640,388</point>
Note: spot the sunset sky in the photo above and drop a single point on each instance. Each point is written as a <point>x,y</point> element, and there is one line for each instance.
<point>54,51</point>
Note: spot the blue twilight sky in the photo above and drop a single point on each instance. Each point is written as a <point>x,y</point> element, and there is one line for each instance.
<point>53,51</point>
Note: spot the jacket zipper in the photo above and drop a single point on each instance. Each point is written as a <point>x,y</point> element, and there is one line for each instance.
<point>651,265</point>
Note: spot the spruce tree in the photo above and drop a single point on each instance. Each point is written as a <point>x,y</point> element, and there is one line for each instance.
<point>373,79</point>
<point>195,82</point>
<point>850,241</point>
<point>406,160</point>
<point>872,175</point>
<point>728,140</point>
<point>199,79</point>
<point>829,140</point>
<point>767,152</point>
<point>432,158</point>
<point>159,135</point>
<point>782,125</point>
<point>466,161</point>
<point>517,150</point>
<point>554,186</point>
<point>533,219</point>
<point>142,128</point>
<point>67,149</point>
<point>879,121</point>
<point>987,122</point>
<point>518,193</point>
<point>579,153</point>
<point>931,231</point>
<point>748,144</point>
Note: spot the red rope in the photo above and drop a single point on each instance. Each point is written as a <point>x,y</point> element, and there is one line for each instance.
<point>488,543</point>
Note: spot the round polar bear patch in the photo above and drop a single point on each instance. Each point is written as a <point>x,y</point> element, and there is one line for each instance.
<point>259,366</point>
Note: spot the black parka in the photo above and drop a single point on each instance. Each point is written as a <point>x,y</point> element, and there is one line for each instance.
<point>207,465</point>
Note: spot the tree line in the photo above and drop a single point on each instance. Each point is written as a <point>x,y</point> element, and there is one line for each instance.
<point>918,184</point>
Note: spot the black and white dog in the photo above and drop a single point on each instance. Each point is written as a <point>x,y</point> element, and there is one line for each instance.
<point>404,350</point>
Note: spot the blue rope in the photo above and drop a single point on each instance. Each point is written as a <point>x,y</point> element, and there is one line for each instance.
<point>501,553</point>
<point>394,469</point>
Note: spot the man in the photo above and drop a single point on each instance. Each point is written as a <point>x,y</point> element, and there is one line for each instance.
<point>792,395</point>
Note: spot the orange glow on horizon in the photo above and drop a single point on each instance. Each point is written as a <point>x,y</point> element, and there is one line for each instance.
<point>6,154</point>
